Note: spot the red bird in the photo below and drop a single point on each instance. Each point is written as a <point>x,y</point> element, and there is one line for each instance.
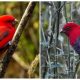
<point>72,30</point>
<point>7,30</point>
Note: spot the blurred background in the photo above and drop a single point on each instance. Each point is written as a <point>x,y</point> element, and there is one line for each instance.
<point>58,59</point>
<point>22,64</point>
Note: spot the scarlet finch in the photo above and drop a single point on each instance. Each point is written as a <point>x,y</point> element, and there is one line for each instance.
<point>7,30</point>
<point>72,30</point>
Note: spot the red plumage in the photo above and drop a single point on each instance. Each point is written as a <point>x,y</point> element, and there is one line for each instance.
<point>7,30</point>
<point>72,30</point>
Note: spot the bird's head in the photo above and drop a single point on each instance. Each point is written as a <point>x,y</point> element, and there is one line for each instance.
<point>69,27</point>
<point>8,20</point>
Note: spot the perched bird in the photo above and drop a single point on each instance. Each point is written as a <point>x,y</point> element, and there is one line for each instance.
<point>72,30</point>
<point>7,30</point>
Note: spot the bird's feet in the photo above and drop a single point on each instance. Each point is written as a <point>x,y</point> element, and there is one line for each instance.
<point>10,42</point>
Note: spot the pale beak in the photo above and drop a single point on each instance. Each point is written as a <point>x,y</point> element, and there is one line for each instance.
<point>15,22</point>
<point>61,31</point>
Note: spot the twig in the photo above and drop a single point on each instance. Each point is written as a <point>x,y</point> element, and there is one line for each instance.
<point>33,66</point>
<point>22,63</point>
<point>68,45</point>
<point>57,34</point>
<point>47,3</point>
<point>59,9</point>
<point>55,20</point>
<point>25,18</point>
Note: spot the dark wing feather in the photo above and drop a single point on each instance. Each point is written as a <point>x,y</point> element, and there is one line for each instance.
<point>76,46</point>
<point>3,35</point>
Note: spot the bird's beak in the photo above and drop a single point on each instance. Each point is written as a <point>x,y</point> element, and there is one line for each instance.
<point>15,22</point>
<point>61,31</point>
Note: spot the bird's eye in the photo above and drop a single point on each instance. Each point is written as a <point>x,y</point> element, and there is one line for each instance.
<point>9,21</point>
<point>67,28</point>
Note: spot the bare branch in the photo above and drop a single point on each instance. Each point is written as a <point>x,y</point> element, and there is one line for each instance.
<point>33,66</point>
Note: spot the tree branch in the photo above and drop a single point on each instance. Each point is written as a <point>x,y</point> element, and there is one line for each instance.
<point>33,66</point>
<point>24,20</point>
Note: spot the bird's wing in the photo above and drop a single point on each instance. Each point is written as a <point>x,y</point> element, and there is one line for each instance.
<point>3,34</point>
<point>76,46</point>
